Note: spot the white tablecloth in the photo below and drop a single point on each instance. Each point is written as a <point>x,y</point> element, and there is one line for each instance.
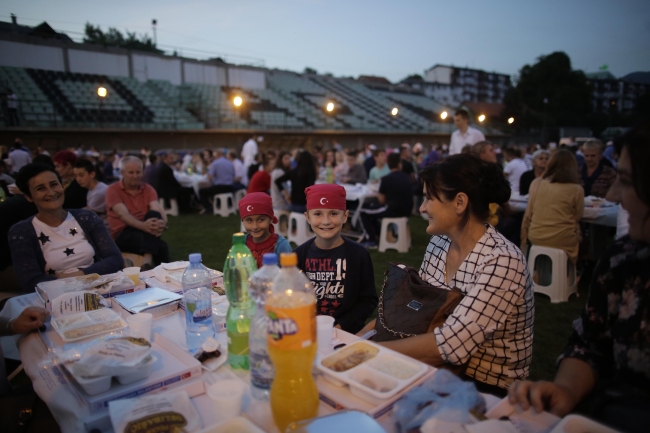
<point>359,192</point>
<point>194,181</point>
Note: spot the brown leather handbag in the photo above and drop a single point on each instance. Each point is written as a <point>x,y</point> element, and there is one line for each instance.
<point>410,306</point>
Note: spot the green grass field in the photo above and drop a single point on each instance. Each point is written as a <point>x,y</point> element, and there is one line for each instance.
<point>212,237</point>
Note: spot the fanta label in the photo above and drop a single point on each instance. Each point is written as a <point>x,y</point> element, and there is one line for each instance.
<point>291,328</point>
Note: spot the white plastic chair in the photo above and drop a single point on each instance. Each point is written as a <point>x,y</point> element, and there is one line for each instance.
<point>173,206</point>
<point>282,227</point>
<point>403,241</point>
<point>558,282</point>
<point>299,229</point>
<point>223,204</point>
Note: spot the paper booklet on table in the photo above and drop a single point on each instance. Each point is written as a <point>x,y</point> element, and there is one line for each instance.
<point>173,273</point>
<point>147,299</point>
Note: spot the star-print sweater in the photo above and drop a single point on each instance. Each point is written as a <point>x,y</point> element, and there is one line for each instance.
<point>27,255</point>
<point>343,280</point>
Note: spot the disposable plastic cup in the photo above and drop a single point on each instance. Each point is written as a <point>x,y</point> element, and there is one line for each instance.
<point>325,332</point>
<point>140,325</point>
<point>133,273</point>
<point>227,397</point>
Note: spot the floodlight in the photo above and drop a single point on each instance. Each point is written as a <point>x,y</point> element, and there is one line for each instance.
<point>394,111</point>
<point>330,107</point>
<point>511,120</point>
<point>102,92</point>
<point>481,118</point>
<point>444,115</point>
<point>237,100</point>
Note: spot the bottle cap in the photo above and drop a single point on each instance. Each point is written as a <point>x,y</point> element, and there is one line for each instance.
<point>270,259</point>
<point>238,238</point>
<point>195,258</point>
<point>288,259</point>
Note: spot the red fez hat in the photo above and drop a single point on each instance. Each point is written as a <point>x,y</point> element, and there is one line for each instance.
<point>325,196</point>
<point>257,203</point>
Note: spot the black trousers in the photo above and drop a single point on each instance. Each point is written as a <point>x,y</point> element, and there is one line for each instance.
<point>371,220</point>
<point>132,240</point>
<point>208,193</point>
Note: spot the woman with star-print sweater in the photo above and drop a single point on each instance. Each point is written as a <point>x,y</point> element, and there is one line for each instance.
<point>57,243</point>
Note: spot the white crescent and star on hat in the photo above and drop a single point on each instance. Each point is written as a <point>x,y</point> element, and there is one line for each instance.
<point>249,208</point>
<point>323,200</point>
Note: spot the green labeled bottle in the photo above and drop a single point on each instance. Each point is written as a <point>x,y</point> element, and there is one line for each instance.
<point>237,270</point>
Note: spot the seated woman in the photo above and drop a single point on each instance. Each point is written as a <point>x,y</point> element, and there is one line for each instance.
<point>57,243</point>
<point>539,160</point>
<point>604,371</point>
<point>491,330</point>
<point>555,206</point>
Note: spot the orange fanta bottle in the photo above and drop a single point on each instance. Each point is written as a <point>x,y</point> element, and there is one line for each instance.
<point>291,336</point>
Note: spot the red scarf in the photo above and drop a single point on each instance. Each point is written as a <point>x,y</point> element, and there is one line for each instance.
<point>258,250</point>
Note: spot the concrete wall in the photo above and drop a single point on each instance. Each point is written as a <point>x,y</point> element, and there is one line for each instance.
<point>20,55</point>
<point>156,68</point>
<point>246,78</point>
<point>93,62</point>
<point>199,73</point>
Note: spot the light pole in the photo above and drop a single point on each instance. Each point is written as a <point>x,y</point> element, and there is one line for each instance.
<point>154,23</point>
<point>102,92</point>
<point>544,120</point>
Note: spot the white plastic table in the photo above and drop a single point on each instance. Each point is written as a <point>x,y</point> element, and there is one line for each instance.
<point>194,181</point>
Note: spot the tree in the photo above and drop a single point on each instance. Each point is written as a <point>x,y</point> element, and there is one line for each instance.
<point>414,77</point>
<point>566,92</point>
<point>309,70</point>
<point>115,38</point>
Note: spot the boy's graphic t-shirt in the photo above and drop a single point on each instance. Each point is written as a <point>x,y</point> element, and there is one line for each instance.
<point>326,269</point>
<point>343,281</point>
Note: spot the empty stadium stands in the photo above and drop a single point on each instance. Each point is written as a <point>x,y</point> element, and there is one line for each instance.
<point>290,101</point>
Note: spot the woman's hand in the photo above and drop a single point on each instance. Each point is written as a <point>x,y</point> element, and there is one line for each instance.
<point>30,318</point>
<point>541,395</point>
<point>368,327</point>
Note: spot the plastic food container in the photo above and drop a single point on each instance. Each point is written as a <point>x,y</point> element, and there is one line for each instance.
<point>88,324</point>
<point>235,425</point>
<point>372,372</point>
<point>99,384</point>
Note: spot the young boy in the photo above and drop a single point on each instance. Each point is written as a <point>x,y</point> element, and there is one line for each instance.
<point>339,269</point>
<point>256,211</point>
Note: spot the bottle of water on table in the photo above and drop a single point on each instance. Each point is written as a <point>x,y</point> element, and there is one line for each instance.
<point>197,299</point>
<point>260,285</point>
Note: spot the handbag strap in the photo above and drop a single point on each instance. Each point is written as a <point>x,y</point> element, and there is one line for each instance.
<point>380,312</point>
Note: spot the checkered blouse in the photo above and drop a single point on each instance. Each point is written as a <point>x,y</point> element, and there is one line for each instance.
<point>492,327</point>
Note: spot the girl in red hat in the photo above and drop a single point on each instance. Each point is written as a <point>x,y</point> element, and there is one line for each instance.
<point>256,211</point>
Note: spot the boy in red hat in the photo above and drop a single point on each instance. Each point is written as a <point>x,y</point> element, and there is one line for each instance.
<point>340,270</point>
<point>256,211</point>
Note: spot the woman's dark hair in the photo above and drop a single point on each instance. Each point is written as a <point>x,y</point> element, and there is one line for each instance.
<point>267,157</point>
<point>306,168</point>
<point>29,171</point>
<point>278,161</point>
<point>43,159</point>
<point>637,143</point>
<point>482,182</point>
<point>562,168</point>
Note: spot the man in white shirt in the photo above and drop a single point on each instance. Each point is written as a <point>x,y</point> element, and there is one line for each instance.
<point>465,134</point>
<point>515,167</point>
<point>18,157</point>
<point>84,172</point>
<point>248,152</point>
<point>241,178</point>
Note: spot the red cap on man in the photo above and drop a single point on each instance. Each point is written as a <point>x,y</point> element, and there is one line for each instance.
<point>257,203</point>
<point>325,196</point>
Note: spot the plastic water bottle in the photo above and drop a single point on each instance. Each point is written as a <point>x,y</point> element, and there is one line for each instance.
<point>261,285</point>
<point>237,270</point>
<point>197,298</point>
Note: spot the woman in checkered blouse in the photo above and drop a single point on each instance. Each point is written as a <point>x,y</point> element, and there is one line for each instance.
<point>491,330</point>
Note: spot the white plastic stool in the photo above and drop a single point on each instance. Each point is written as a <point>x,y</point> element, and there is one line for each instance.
<point>559,282</point>
<point>403,241</point>
<point>239,194</point>
<point>242,228</point>
<point>282,227</point>
<point>223,204</point>
<point>302,232</point>
<point>173,206</point>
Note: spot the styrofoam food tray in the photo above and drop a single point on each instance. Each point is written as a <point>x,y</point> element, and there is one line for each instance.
<point>379,377</point>
<point>579,424</point>
<point>99,384</point>
<point>88,320</point>
<point>236,425</point>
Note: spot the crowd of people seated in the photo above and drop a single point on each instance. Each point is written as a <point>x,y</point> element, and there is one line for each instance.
<point>74,214</point>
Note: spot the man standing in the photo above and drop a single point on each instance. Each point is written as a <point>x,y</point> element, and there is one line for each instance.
<point>241,178</point>
<point>85,173</point>
<point>135,217</point>
<point>248,152</point>
<point>167,186</point>
<point>465,134</point>
<point>18,157</point>
<point>393,202</point>
<point>12,108</point>
<point>222,175</point>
